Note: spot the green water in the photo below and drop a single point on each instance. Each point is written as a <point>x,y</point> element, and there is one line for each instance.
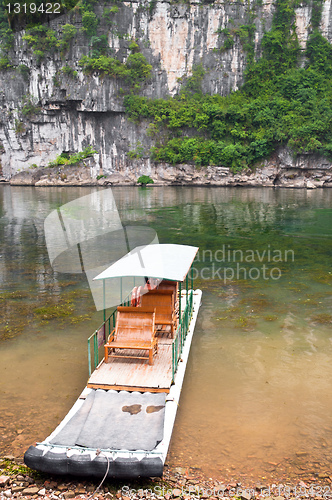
<point>256,399</point>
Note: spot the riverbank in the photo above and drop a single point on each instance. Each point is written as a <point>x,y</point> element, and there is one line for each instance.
<point>18,481</point>
<point>283,170</point>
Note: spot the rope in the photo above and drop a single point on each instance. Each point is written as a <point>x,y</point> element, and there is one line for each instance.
<point>108,468</point>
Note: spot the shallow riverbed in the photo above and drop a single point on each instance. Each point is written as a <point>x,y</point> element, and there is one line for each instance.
<point>256,398</point>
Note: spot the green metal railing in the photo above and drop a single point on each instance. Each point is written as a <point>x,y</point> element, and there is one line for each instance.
<point>101,334</point>
<point>182,330</point>
<point>99,337</point>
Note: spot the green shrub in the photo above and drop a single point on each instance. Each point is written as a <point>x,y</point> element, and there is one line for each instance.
<point>5,64</point>
<point>29,107</point>
<point>316,14</point>
<point>319,54</point>
<point>90,23</point>
<point>143,180</point>
<point>139,69</point>
<point>228,39</point>
<point>41,40</point>
<point>68,33</point>
<point>108,14</point>
<point>19,127</point>
<point>66,159</point>
<point>39,55</point>
<point>133,46</point>
<point>193,84</point>
<point>99,46</point>
<point>24,70</point>
<point>87,5</point>
<point>103,65</point>
<point>68,71</point>
<point>134,71</point>
<point>56,80</point>
<point>137,152</point>
<point>7,39</point>
<point>152,7</point>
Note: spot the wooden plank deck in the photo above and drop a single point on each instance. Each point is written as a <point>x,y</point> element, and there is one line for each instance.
<point>133,374</point>
<point>136,374</point>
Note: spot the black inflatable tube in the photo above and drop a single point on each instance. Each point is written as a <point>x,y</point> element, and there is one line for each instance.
<point>79,464</point>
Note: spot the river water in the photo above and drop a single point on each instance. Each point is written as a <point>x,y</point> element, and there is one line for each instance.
<point>256,400</point>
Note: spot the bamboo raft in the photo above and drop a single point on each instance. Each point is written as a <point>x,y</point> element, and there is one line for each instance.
<point>122,422</point>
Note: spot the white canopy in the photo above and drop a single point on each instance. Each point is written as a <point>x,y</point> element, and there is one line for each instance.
<point>171,262</point>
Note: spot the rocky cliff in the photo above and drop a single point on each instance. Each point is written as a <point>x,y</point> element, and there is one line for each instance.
<point>75,110</point>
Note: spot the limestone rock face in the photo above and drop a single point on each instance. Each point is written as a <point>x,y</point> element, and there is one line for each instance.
<point>27,177</point>
<point>88,110</point>
<point>80,175</point>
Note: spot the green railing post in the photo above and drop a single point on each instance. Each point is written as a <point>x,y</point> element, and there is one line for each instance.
<point>89,357</point>
<point>185,325</point>
<point>187,285</point>
<point>181,333</point>
<point>173,361</point>
<point>177,350</point>
<point>178,342</point>
<point>95,347</point>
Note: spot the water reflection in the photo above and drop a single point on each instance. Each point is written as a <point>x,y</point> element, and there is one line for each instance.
<point>256,398</point>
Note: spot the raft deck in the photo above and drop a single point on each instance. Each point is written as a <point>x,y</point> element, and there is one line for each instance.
<point>136,374</point>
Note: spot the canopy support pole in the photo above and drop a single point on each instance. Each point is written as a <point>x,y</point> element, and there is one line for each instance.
<point>104,300</point>
<point>180,285</point>
<point>104,306</point>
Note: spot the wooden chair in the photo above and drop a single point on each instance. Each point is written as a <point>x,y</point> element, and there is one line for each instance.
<point>163,302</point>
<point>134,330</point>
<point>174,286</point>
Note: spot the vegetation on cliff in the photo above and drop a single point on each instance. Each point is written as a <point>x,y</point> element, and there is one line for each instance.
<point>280,103</point>
<point>286,98</point>
<point>134,70</point>
<point>44,41</point>
<point>67,159</point>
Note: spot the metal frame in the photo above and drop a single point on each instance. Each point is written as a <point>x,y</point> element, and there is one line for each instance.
<point>180,335</point>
